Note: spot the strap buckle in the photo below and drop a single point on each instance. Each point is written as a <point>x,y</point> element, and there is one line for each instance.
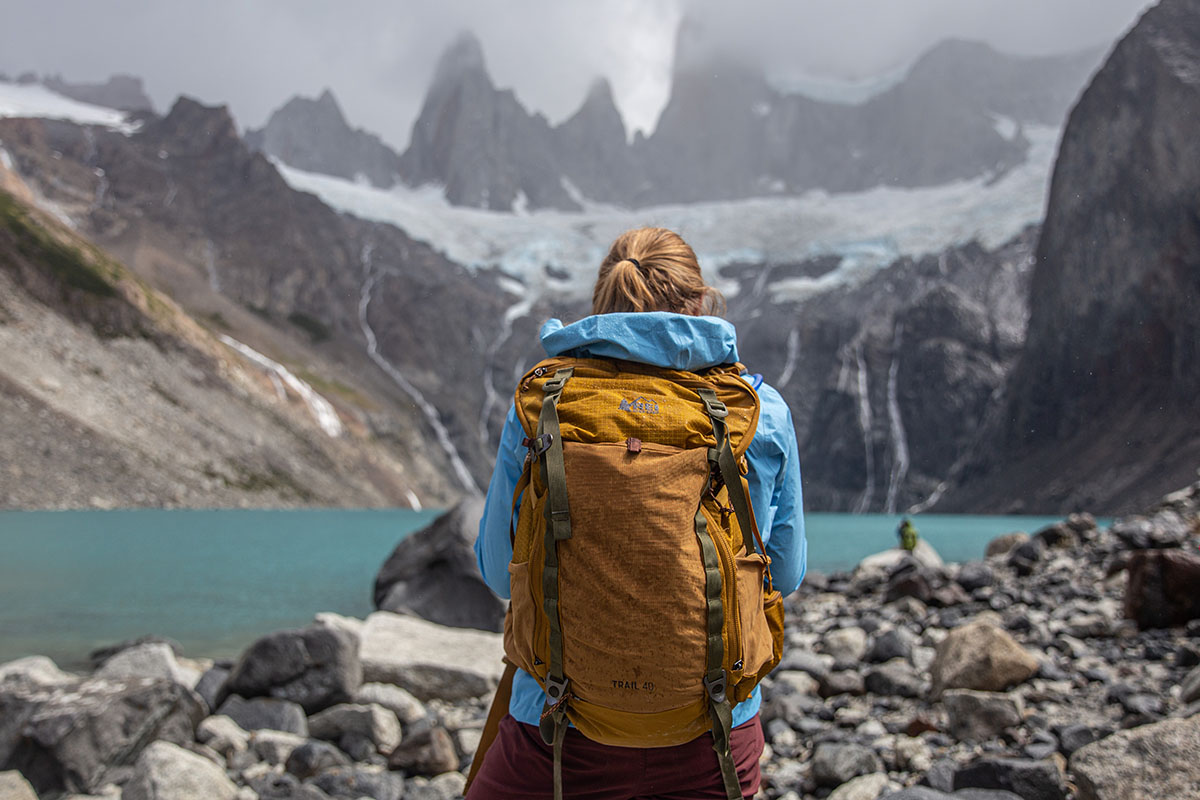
<point>556,383</point>
<point>538,444</point>
<point>715,408</point>
<point>556,689</point>
<point>715,686</point>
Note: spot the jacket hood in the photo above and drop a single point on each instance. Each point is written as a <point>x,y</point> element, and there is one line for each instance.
<point>658,338</point>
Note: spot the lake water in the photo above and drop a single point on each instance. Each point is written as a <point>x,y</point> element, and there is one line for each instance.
<point>71,581</point>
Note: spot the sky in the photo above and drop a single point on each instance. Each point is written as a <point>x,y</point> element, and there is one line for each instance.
<point>378,56</point>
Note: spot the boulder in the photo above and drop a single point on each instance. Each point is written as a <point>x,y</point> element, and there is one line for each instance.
<point>275,747</point>
<point>100,656</point>
<point>356,781</point>
<point>917,793</point>
<point>886,561</point>
<point>1003,545</point>
<point>979,716</point>
<point>975,575</point>
<point>1161,589</point>
<point>893,643</point>
<point>428,660</point>
<point>13,786</point>
<point>864,787</point>
<point>78,737</point>
<point>1166,528</point>
<point>34,671</point>
<point>400,702</point>
<point>447,786</point>
<point>804,660</point>
<point>980,656</point>
<point>223,735</point>
<point>165,771</point>
<point>835,763</point>
<point>429,752</point>
<point>845,645</point>
<point>845,682</point>
<point>313,757</point>
<point>1074,737</point>
<point>1026,778</point>
<point>149,660</point>
<point>316,667</point>
<point>896,678</point>
<point>434,574</point>
<point>1157,760</point>
<point>375,723</point>
<point>1189,689</point>
<point>210,686</point>
<point>265,713</point>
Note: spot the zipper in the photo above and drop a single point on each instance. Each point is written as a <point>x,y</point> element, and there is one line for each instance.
<point>729,588</point>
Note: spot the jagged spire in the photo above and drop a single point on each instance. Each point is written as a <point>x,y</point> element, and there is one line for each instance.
<point>465,54</point>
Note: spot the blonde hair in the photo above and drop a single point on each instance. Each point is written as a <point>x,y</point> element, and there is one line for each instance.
<point>653,269</point>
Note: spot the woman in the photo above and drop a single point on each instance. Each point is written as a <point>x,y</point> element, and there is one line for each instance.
<point>650,305</point>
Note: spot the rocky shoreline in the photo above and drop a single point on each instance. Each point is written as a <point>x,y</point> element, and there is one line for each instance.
<point>1065,665</point>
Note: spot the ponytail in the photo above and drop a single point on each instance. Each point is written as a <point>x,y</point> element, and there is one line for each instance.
<point>653,269</point>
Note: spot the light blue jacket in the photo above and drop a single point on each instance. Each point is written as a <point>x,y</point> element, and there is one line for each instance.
<point>678,342</point>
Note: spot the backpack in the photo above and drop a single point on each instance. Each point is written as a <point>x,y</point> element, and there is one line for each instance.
<point>641,593</point>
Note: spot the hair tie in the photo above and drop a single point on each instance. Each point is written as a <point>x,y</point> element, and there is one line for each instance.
<point>635,262</point>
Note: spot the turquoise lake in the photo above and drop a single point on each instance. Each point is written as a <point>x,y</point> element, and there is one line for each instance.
<point>71,581</point>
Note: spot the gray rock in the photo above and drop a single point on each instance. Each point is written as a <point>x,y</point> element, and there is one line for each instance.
<point>1189,689</point>
<point>355,782</point>
<point>893,643</point>
<point>407,708</point>
<point>845,645</point>
<point>266,713</point>
<point>375,723</point>
<point>35,671</point>
<point>100,656</point>
<point>210,685</point>
<point>272,785</point>
<point>845,682</point>
<point>434,574</point>
<point>795,658</point>
<point>316,667</point>
<point>836,763</point>
<point>896,678</point>
<point>223,735</point>
<point>275,747</point>
<point>984,794</point>
<point>1157,760</point>
<point>149,660</point>
<point>1030,780</point>
<point>312,757</point>
<point>168,772</point>
<point>979,716</point>
<point>79,737</point>
<point>916,793</point>
<point>864,787</point>
<point>1073,737</point>
<point>975,575</point>
<point>13,786</point>
<point>428,752</point>
<point>1003,545</point>
<point>430,661</point>
<point>446,786</point>
<point>980,656</point>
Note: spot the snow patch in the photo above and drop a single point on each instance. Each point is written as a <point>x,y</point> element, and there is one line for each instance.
<point>869,229</point>
<point>843,91</point>
<point>1007,127</point>
<point>35,100</point>
<point>322,410</point>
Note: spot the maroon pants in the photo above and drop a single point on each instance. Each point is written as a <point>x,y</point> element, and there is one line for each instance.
<point>520,766</point>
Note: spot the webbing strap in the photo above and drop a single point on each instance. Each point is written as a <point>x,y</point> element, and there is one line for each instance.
<point>715,683</point>
<point>558,527</point>
<point>724,460</point>
<point>722,716</point>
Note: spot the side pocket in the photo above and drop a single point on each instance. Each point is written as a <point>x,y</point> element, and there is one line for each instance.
<point>520,622</point>
<point>757,645</point>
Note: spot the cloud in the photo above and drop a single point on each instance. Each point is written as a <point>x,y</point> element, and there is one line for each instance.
<point>378,55</point>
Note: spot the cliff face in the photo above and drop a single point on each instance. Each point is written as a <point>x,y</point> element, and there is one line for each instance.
<point>1109,373</point>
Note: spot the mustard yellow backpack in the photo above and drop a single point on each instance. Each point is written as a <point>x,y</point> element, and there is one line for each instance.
<point>641,592</point>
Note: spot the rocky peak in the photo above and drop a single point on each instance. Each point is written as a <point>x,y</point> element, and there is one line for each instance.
<point>192,129</point>
<point>122,92</point>
<point>463,56</point>
<point>313,135</point>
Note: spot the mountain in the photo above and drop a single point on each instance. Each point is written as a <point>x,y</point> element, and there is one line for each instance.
<point>1101,407</point>
<point>114,396</point>
<point>591,149</point>
<point>313,135</point>
<point>121,92</point>
<point>479,143</point>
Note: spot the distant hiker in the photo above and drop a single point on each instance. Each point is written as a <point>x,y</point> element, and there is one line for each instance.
<point>907,532</point>
<point>646,601</point>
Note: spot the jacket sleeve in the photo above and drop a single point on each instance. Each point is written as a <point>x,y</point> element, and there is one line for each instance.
<point>493,548</point>
<point>775,491</point>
